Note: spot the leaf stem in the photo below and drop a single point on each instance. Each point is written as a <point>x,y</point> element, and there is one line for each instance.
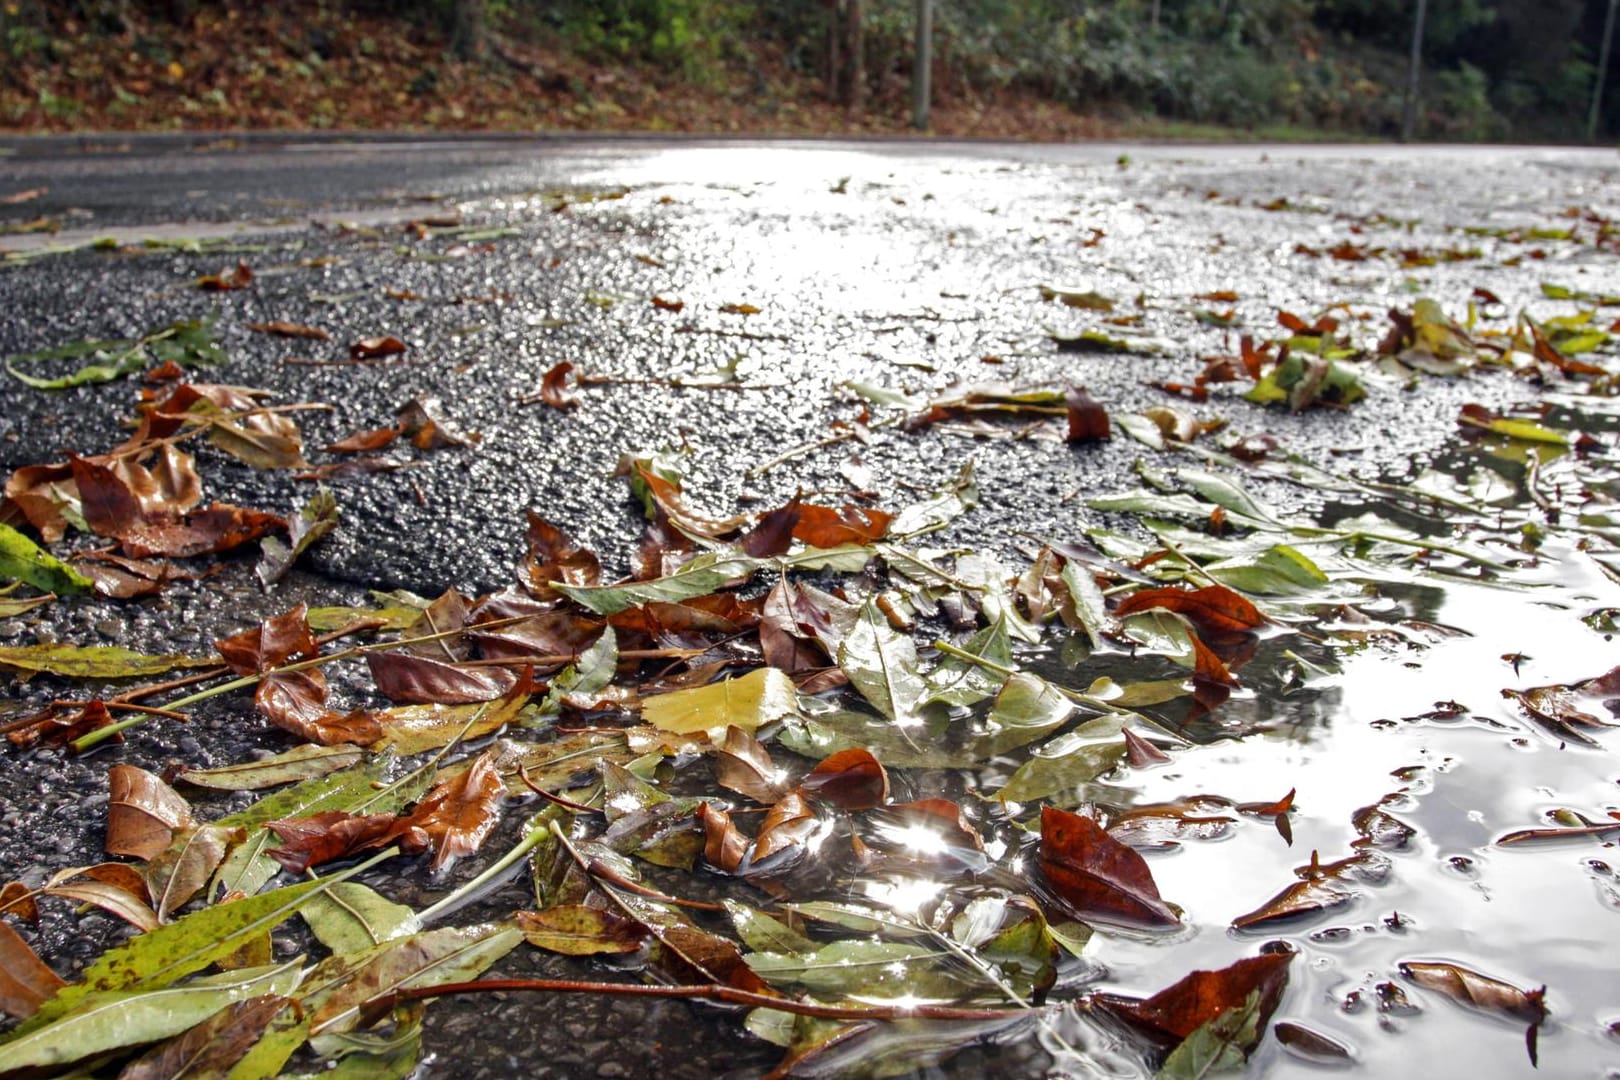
<point>535,832</point>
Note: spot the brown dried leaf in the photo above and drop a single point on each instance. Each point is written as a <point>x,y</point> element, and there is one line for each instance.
<point>290,329</point>
<point>852,779</point>
<point>364,441</point>
<point>422,420</point>
<point>826,527</point>
<point>1088,420</point>
<point>331,834</point>
<point>26,982</point>
<point>459,813</point>
<point>376,348</point>
<point>217,529</point>
<point>1182,1008</point>
<point>1213,608</point>
<point>227,280</point>
<point>274,642</point>
<point>581,930</point>
<point>724,847</point>
<point>1097,877</point>
<point>743,765</point>
<point>554,556</point>
<point>214,1046</point>
<point>143,813</point>
<point>420,680</point>
<point>1478,990</point>
<point>554,386</point>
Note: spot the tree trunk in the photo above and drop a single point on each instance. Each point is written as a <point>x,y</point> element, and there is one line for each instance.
<point>855,99</point>
<point>922,63</point>
<point>1602,75</point>
<point>467,35</point>
<point>1410,107</point>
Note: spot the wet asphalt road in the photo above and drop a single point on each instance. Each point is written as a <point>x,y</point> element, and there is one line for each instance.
<point>909,266</point>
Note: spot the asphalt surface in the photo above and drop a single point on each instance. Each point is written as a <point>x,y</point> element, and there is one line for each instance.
<point>910,266</point>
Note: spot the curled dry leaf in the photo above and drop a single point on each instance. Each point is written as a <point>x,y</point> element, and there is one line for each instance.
<point>852,779</point>
<point>724,846</point>
<point>272,643</point>
<point>291,330</point>
<point>1478,990</point>
<point>217,529</point>
<point>329,835</point>
<point>1095,876</point>
<point>1590,703</point>
<point>143,813</point>
<point>743,765</point>
<point>1088,420</point>
<point>26,981</point>
<point>365,441</point>
<point>1321,887</point>
<point>422,420</point>
<point>554,387</point>
<point>227,280</point>
<point>555,556</point>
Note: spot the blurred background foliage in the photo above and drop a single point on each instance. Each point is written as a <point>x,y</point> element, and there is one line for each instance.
<point>1493,69</point>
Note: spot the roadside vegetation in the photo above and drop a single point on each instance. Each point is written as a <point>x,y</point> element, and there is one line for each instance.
<point>1512,69</point>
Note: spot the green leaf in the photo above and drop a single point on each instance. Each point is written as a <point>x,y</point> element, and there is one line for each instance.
<point>247,868</point>
<point>109,1019</point>
<point>339,988</point>
<point>1064,768</point>
<point>883,666</point>
<point>351,917</point>
<point>956,498</point>
<point>318,517</point>
<point>302,762</point>
<point>1027,708</point>
<point>587,676</point>
<point>856,966</point>
<point>188,344</point>
<point>12,606</point>
<point>1220,1045</point>
<point>961,682</point>
<point>700,577</point>
<point>748,702</point>
<point>1280,570</point>
<point>23,560</point>
<point>1090,606</point>
<point>163,956</point>
<point>761,933</point>
<point>94,661</point>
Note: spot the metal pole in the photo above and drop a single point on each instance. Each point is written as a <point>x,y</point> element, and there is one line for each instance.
<point>922,64</point>
<point>1602,74</point>
<point>1409,109</point>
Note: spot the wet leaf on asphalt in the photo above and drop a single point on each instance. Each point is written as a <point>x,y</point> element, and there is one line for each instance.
<point>214,1046</point>
<point>26,981</point>
<point>300,763</point>
<point>143,813</point>
<point>580,930</point>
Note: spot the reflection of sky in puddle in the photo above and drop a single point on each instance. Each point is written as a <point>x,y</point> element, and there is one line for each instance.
<point>1530,914</point>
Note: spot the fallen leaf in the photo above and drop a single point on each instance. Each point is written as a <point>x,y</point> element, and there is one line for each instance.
<point>1088,420</point>
<point>748,703</point>
<point>580,930</point>
<point>422,420</point>
<point>214,1046</point>
<point>1178,1010</point>
<point>26,981</point>
<point>420,680</point>
<point>667,305</point>
<point>1213,608</point>
<point>227,280</point>
<point>143,813</point>
<point>743,765</point>
<point>459,813</point>
<point>554,384</point>
<point>289,329</point>
<point>1477,990</point>
<point>365,441</point>
<point>329,835</point>
<point>1097,877</point>
<point>852,779</point>
<point>554,556</point>
<point>376,348</point>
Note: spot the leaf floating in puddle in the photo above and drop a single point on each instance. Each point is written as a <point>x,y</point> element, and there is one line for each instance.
<point>1096,876</point>
<point>1310,1044</point>
<point>1320,889</point>
<point>1214,607</point>
<point>852,779</point>
<point>1565,707</point>
<point>1175,1012</point>
<point>1478,990</point>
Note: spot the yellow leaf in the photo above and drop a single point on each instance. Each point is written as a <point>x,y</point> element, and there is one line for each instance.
<point>748,702</point>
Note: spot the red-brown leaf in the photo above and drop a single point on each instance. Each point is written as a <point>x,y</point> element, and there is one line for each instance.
<point>289,329</point>
<point>554,386</point>
<point>227,280</point>
<point>825,527</point>
<point>110,508</point>
<point>724,847</point>
<point>295,701</point>
<point>26,982</point>
<point>1088,420</point>
<point>420,680</point>
<point>772,534</point>
<point>1140,753</point>
<point>329,835</point>
<point>459,813</point>
<point>852,779</point>
<point>272,643</point>
<point>1182,1008</point>
<point>787,825</point>
<point>554,556</point>
<point>1478,990</point>
<point>376,348</point>
<point>363,441</point>
<point>744,765</point>
<point>1213,608</point>
<point>1097,877</point>
<point>217,529</point>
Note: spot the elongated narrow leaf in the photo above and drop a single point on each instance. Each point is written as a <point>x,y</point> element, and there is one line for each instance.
<point>23,560</point>
<point>93,661</point>
<point>300,763</point>
<point>212,1047</point>
<point>349,918</point>
<point>105,1020</point>
<point>700,577</point>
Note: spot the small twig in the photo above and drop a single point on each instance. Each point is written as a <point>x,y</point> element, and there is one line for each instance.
<point>122,706</point>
